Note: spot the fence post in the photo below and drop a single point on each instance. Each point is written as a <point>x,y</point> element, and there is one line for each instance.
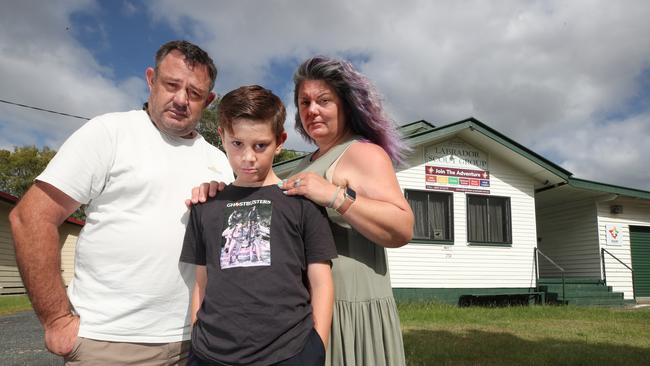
<point>536,268</point>
<point>602,256</point>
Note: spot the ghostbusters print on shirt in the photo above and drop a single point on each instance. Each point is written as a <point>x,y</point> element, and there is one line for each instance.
<point>247,234</point>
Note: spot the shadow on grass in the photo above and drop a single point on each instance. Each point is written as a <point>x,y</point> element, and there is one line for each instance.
<point>476,347</point>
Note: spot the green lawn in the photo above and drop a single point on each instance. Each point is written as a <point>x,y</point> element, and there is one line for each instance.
<point>532,335</point>
<point>436,334</point>
<point>13,303</point>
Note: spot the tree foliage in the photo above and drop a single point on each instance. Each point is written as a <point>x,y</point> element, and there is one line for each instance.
<point>286,154</point>
<point>18,168</point>
<point>209,122</point>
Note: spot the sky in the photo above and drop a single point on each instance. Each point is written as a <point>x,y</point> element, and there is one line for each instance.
<point>569,80</point>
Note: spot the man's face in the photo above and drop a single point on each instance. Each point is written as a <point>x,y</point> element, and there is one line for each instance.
<point>178,94</point>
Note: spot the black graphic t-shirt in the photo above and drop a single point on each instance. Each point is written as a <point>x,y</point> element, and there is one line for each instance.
<point>256,244</point>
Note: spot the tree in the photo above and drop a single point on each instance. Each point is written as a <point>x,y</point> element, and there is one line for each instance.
<point>286,154</point>
<point>19,168</point>
<point>209,122</point>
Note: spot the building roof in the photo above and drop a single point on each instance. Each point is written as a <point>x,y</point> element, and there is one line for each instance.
<point>608,188</point>
<point>478,133</point>
<point>11,199</point>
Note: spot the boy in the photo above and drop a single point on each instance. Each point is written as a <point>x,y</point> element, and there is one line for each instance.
<point>263,292</point>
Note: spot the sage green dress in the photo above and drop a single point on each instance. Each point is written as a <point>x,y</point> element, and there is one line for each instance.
<point>365,326</point>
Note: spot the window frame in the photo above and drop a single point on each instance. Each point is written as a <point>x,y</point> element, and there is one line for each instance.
<point>508,208</point>
<point>450,213</point>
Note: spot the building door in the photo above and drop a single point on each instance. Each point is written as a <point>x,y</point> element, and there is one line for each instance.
<point>640,248</point>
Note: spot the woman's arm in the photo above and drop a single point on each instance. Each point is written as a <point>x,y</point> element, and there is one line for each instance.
<point>198,292</point>
<point>380,211</point>
<point>321,288</point>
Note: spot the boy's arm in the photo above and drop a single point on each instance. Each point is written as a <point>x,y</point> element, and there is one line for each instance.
<point>321,287</point>
<point>198,293</point>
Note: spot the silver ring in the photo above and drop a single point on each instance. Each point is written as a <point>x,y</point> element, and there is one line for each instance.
<point>296,183</point>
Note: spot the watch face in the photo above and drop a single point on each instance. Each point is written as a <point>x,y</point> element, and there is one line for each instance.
<point>350,193</point>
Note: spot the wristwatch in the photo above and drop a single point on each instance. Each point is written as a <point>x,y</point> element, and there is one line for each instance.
<point>349,196</point>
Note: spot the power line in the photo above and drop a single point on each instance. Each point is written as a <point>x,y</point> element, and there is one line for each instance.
<point>42,109</point>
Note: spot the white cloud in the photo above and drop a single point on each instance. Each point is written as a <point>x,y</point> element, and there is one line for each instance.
<point>614,152</point>
<point>42,65</point>
<point>129,9</point>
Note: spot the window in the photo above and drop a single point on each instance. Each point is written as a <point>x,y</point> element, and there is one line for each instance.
<point>433,215</point>
<point>488,219</point>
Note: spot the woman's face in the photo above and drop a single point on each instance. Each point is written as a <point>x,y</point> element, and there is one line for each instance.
<point>321,111</point>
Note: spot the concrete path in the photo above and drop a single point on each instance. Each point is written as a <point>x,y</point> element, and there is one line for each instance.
<point>21,342</point>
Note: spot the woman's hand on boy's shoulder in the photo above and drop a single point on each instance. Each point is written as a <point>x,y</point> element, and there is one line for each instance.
<point>205,190</point>
<point>310,185</point>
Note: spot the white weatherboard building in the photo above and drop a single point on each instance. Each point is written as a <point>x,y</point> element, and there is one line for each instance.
<point>495,218</point>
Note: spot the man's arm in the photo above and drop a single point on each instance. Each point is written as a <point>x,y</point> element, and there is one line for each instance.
<point>198,293</point>
<point>321,287</point>
<point>34,223</point>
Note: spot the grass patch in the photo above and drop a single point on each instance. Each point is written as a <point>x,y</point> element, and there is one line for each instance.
<point>10,304</point>
<point>437,334</point>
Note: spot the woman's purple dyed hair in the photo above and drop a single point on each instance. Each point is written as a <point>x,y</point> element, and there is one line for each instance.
<point>364,113</point>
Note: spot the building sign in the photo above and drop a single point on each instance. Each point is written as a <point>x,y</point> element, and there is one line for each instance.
<point>457,166</point>
<point>457,180</point>
<point>613,234</point>
<point>456,153</point>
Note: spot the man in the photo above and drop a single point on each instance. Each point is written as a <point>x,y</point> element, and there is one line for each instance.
<point>128,302</point>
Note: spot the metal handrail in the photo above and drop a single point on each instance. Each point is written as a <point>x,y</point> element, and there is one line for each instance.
<point>537,252</point>
<point>602,256</point>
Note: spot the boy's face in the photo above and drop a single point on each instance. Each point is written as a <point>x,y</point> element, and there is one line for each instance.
<point>251,146</point>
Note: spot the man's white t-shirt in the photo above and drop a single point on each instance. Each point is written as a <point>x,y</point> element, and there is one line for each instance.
<point>128,284</point>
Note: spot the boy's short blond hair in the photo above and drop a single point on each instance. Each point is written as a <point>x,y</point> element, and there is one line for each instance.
<point>255,103</point>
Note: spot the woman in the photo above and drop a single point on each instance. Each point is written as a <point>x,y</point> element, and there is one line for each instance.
<point>351,174</point>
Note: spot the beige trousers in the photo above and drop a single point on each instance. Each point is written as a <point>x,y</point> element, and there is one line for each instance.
<point>90,352</point>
